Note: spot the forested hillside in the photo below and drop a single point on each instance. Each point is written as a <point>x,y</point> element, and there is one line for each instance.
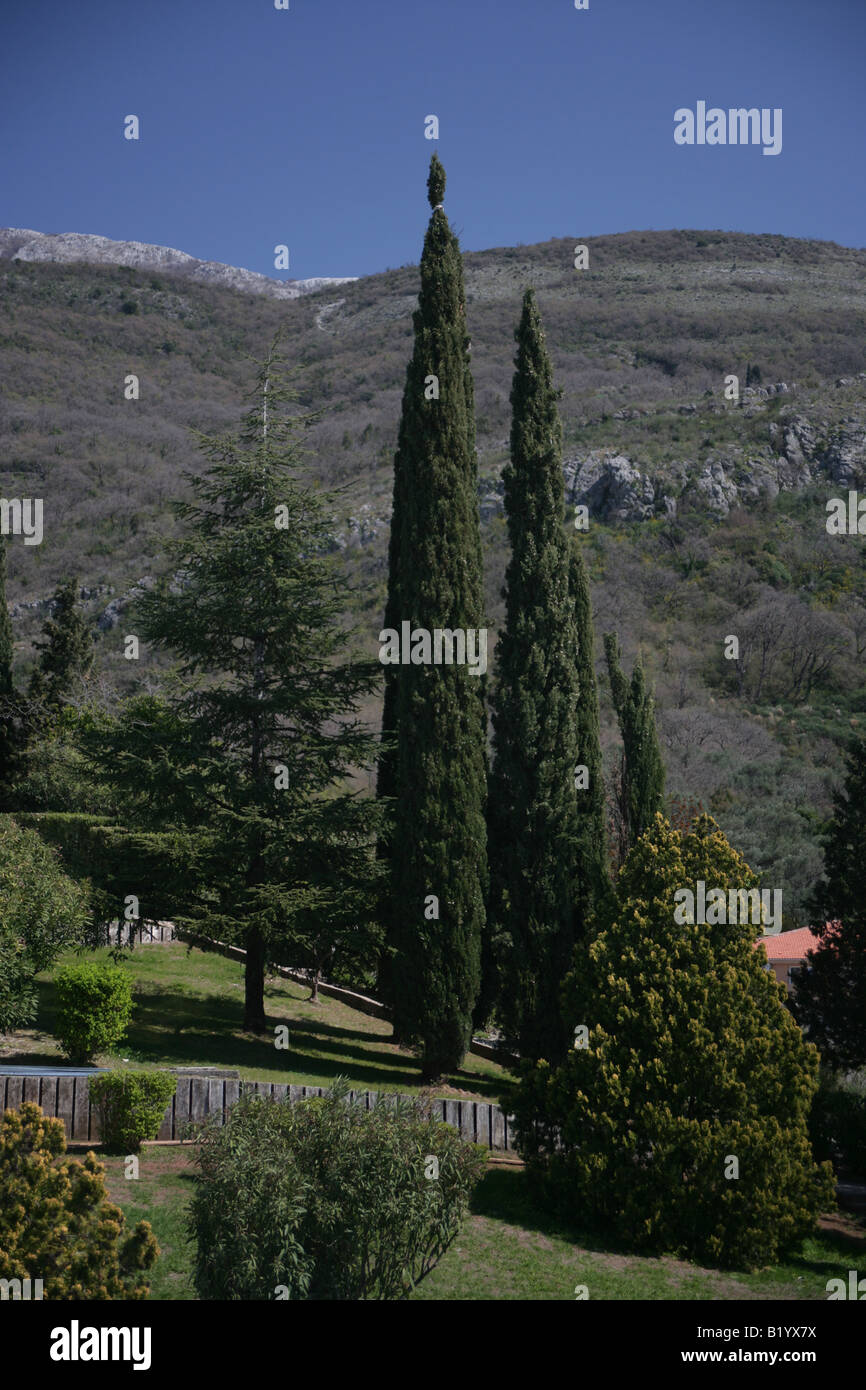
<point>707,516</point>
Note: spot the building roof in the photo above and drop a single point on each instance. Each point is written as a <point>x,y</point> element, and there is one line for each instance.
<point>791,945</point>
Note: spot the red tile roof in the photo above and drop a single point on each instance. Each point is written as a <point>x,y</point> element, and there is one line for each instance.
<point>791,945</point>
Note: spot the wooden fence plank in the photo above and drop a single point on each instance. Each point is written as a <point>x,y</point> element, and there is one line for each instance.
<point>14,1092</point>
<point>233,1091</point>
<point>81,1108</point>
<point>65,1099</point>
<point>197,1099</point>
<point>216,1097</point>
<point>182,1106</point>
<point>32,1088</point>
<point>467,1120</point>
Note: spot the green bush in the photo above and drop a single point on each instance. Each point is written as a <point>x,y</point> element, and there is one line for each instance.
<point>326,1200</point>
<point>130,1106</point>
<point>688,1061</point>
<point>837,1125</point>
<point>94,1006</point>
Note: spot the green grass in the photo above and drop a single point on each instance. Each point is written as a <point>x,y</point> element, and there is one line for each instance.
<point>189,1012</point>
<point>507,1249</point>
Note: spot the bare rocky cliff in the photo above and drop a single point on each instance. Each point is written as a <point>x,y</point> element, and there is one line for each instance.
<point>19,243</point>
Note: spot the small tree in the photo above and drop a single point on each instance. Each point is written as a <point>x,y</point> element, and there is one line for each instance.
<point>42,912</point>
<point>66,651</point>
<point>679,1120</point>
<point>642,780</point>
<point>56,1223</point>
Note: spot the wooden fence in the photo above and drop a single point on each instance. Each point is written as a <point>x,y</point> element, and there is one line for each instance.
<point>196,1097</point>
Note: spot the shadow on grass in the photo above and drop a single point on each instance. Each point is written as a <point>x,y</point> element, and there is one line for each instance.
<point>505,1195</point>
<point>173,1027</point>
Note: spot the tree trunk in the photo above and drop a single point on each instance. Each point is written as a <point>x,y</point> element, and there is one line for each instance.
<point>254,984</point>
<point>314,997</point>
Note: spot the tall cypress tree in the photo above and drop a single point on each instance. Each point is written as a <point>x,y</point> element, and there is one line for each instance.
<point>593,885</point>
<point>533,801</point>
<point>435,714</point>
<point>643,772</point>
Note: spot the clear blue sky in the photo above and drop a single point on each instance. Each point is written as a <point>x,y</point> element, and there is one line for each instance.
<point>305,126</point>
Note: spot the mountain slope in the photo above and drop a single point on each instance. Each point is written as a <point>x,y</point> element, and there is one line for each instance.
<point>708,517</point>
<point>17,243</point>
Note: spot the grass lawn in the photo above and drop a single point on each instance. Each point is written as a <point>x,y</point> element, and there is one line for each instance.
<point>189,1011</point>
<point>507,1250</point>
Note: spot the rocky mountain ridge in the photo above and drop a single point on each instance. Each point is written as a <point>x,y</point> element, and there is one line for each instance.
<point>22,244</point>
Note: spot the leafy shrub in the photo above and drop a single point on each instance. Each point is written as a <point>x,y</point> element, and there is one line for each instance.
<point>130,1105</point>
<point>837,1124</point>
<point>56,1223</point>
<point>94,1006</point>
<point>690,1059</point>
<point>41,912</point>
<point>325,1200</point>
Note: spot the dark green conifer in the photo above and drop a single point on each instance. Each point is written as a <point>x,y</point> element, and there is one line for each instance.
<point>66,649</point>
<point>434,715</point>
<point>643,773</point>
<point>593,880</point>
<point>533,801</point>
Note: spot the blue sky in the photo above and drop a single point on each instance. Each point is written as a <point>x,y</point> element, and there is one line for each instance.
<point>306,126</point>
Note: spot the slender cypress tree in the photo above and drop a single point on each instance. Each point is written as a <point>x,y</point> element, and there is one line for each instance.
<point>593,883</point>
<point>67,648</point>
<point>533,801</point>
<point>434,715</point>
<point>643,774</point>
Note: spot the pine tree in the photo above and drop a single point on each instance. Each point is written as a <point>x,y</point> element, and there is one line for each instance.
<point>240,770</point>
<point>434,715</point>
<point>678,1122</point>
<point>830,988</point>
<point>533,803</point>
<point>643,773</point>
<point>66,649</point>
<point>593,875</point>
